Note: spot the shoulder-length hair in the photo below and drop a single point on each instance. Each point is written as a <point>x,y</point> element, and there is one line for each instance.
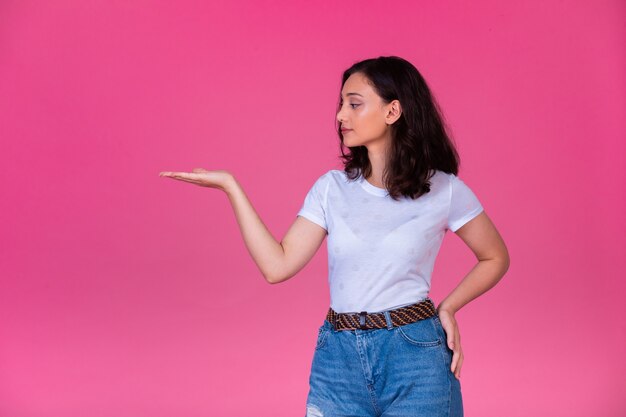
<point>419,142</point>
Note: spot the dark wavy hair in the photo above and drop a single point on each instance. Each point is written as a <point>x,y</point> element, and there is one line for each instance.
<point>419,142</point>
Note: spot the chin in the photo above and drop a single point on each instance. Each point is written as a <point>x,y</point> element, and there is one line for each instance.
<point>350,143</point>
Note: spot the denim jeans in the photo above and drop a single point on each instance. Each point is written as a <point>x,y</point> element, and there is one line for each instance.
<point>396,371</point>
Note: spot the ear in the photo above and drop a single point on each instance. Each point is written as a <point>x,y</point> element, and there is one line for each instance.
<point>394,112</point>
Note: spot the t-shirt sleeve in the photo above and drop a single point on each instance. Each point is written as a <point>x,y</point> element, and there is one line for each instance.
<point>314,206</point>
<point>464,205</point>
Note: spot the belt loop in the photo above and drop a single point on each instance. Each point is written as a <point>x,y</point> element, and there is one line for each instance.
<point>388,320</point>
<point>362,319</point>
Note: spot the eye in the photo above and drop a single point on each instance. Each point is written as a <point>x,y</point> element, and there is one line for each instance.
<point>356,105</point>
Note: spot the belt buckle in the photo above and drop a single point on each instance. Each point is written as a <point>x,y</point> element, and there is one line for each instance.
<point>362,316</point>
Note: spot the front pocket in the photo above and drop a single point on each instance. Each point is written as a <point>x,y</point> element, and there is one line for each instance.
<point>421,333</point>
<point>322,333</point>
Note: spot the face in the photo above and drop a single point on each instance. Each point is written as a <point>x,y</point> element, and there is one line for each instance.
<point>365,114</point>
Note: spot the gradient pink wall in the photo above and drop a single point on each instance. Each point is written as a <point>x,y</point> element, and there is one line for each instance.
<point>127,294</point>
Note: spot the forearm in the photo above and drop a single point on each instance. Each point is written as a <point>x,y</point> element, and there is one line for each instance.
<point>266,251</point>
<point>482,277</point>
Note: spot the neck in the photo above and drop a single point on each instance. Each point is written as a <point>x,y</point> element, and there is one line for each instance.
<point>378,160</point>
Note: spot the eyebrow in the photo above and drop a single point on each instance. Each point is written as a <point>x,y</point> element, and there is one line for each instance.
<point>353,94</point>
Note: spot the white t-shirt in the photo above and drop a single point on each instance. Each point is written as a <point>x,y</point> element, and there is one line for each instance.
<point>381,252</point>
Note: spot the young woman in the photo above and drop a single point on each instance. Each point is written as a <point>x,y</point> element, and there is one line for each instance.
<point>383,349</point>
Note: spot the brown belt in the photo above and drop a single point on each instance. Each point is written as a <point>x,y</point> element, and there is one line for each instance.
<point>399,317</point>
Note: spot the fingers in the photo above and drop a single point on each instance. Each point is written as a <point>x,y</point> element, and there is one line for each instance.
<point>457,356</point>
<point>184,176</point>
<point>453,340</point>
<point>457,360</point>
<point>169,173</point>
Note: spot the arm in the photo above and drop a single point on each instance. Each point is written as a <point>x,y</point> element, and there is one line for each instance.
<point>493,261</point>
<point>278,261</point>
<point>483,239</point>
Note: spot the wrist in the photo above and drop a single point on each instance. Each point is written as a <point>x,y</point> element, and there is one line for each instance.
<point>230,185</point>
<point>445,309</point>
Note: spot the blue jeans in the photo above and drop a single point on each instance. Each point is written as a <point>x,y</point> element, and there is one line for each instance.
<point>396,371</point>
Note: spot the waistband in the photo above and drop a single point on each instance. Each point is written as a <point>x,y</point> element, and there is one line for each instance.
<point>399,317</point>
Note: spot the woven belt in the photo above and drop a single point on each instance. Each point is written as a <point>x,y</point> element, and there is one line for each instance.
<point>399,317</point>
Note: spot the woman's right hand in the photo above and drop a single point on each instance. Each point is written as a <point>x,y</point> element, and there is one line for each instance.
<point>277,261</point>
<point>218,178</point>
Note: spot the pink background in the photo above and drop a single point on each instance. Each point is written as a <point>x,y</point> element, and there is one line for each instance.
<point>127,294</point>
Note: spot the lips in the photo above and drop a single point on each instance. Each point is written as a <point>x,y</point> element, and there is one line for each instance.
<point>345,130</point>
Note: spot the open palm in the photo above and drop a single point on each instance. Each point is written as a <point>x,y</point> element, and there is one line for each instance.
<point>218,178</point>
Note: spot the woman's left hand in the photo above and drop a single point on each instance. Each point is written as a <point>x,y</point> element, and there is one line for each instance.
<point>453,339</point>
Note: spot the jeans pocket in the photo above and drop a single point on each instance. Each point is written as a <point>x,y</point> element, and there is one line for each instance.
<point>322,335</point>
<point>442,332</point>
<point>421,333</point>
<point>440,329</point>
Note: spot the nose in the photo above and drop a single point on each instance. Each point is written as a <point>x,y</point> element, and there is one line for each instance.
<point>340,118</point>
